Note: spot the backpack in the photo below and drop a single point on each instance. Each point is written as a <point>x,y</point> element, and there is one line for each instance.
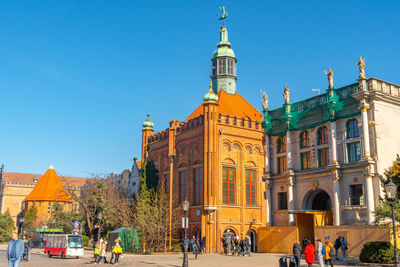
<point>323,251</point>
<point>331,253</point>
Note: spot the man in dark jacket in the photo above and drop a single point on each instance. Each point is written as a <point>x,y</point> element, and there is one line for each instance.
<point>337,246</point>
<point>15,250</point>
<point>297,253</point>
<point>343,246</point>
<point>203,244</point>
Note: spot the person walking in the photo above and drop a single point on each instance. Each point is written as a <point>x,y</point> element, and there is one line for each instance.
<point>309,253</point>
<point>329,253</point>
<point>117,251</point>
<point>344,247</point>
<point>15,250</point>
<point>337,247</point>
<point>203,245</point>
<point>97,249</point>
<point>297,253</point>
<point>26,250</point>
<point>103,255</point>
<point>195,248</point>
<point>321,252</point>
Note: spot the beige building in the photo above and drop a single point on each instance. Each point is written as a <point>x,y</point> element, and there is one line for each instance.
<point>326,153</point>
<point>15,187</point>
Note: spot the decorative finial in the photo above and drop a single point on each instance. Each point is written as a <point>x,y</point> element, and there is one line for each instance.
<point>264,98</point>
<point>148,124</point>
<point>361,64</point>
<point>210,96</point>
<point>51,167</point>
<point>223,15</point>
<point>286,95</point>
<point>329,74</point>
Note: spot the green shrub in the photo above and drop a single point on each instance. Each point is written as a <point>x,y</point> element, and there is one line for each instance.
<point>377,252</point>
<point>177,247</point>
<point>85,240</point>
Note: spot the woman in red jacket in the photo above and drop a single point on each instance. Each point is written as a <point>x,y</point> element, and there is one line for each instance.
<point>309,253</point>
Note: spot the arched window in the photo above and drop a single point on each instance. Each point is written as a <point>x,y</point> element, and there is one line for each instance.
<point>322,135</point>
<point>304,139</point>
<point>352,129</point>
<point>281,145</point>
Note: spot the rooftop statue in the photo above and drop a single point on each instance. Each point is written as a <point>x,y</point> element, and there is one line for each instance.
<point>264,100</point>
<point>361,64</point>
<point>329,74</point>
<point>286,95</point>
<point>224,13</point>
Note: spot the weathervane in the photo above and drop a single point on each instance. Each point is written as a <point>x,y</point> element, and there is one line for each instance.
<point>223,15</point>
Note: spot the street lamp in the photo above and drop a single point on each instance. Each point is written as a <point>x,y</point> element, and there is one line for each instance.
<point>391,193</point>
<point>99,216</point>
<point>185,205</point>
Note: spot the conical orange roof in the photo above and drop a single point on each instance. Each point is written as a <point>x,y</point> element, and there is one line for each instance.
<point>232,105</point>
<point>49,188</point>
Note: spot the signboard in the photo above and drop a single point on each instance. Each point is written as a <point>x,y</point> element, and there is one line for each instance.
<point>76,227</point>
<point>185,222</point>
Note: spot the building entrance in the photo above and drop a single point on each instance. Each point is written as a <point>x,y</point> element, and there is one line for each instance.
<point>317,200</point>
<point>253,238</point>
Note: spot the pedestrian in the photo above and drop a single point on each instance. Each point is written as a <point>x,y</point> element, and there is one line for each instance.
<point>195,248</point>
<point>26,250</point>
<point>309,253</point>
<point>247,245</point>
<point>321,252</point>
<point>337,247</point>
<point>297,253</point>
<point>15,250</point>
<point>203,245</point>
<point>329,253</point>
<point>97,249</point>
<point>117,251</point>
<point>344,247</point>
<point>103,255</point>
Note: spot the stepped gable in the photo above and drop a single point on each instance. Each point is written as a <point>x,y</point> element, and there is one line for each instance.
<point>49,188</point>
<point>233,105</point>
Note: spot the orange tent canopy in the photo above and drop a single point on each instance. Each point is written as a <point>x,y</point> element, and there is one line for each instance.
<point>232,105</point>
<point>49,188</point>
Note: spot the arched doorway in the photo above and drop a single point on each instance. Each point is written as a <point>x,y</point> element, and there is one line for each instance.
<point>253,238</point>
<point>317,200</point>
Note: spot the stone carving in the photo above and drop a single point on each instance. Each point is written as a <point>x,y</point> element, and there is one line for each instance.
<point>361,64</point>
<point>329,74</point>
<point>264,100</point>
<point>286,95</point>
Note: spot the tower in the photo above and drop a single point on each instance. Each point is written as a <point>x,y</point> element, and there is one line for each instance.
<point>224,65</point>
<point>147,131</point>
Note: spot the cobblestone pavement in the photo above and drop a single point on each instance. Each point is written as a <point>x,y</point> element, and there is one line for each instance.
<point>38,259</point>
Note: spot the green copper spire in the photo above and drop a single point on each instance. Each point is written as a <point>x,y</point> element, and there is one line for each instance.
<point>224,65</point>
<point>148,124</point>
<point>210,96</point>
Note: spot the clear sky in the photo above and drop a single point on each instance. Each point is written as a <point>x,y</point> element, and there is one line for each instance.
<point>77,78</point>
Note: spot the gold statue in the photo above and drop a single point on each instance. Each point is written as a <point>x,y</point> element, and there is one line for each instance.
<point>264,100</point>
<point>329,74</point>
<point>361,64</point>
<point>286,95</point>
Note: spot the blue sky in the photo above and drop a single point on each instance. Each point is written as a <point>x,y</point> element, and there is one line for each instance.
<point>78,77</point>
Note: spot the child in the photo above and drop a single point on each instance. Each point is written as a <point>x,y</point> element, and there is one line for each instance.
<point>117,251</point>
<point>97,249</point>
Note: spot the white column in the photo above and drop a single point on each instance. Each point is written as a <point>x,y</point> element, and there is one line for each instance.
<point>289,151</point>
<point>333,143</point>
<point>336,200</point>
<point>269,205</point>
<point>266,149</point>
<point>364,116</point>
<point>370,198</point>
<point>290,203</point>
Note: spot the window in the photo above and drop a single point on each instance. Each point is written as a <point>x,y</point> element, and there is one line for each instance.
<point>322,135</point>
<point>304,139</point>
<point>354,151</point>
<point>234,120</point>
<point>167,182</point>
<point>282,201</point>
<point>228,185</point>
<point>323,157</point>
<point>214,67</point>
<point>221,66</point>
<point>242,122</point>
<point>305,159</point>
<point>281,161</point>
<point>352,129</point>
<point>356,194</point>
<point>198,186</point>
<point>251,187</point>
<point>230,66</point>
<point>183,179</point>
<point>281,145</point>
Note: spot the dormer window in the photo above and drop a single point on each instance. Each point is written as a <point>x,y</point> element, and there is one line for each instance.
<point>35,179</point>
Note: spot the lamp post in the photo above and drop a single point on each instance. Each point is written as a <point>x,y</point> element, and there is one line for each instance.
<point>185,205</point>
<point>391,193</point>
<point>99,216</point>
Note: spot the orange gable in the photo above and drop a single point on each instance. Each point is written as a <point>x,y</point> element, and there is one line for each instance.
<point>49,188</point>
<point>232,105</point>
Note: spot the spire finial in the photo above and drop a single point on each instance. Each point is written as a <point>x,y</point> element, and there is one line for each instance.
<point>223,15</point>
<point>148,124</point>
<point>51,167</point>
<point>210,96</point>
